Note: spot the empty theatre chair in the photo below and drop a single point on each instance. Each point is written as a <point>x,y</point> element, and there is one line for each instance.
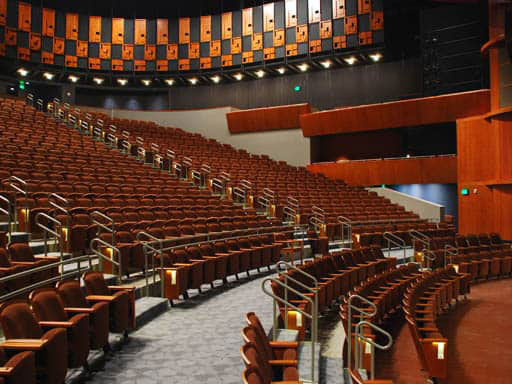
<point>74,301</point>
<point>50,312</point>
<point>50,347</point>
<point>9,268</point>
<point>282,370</point>
<point>221,260</point>
<point>22,254</point>
<point>18,368</point>
<point>121,301</point>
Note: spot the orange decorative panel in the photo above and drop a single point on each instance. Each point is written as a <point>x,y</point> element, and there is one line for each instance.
<point>315,46</point>
<point>150,52</point>
<point>10,36</point>
<point>206,28</point>
<point>257,41</point>
<point>140,31</point>
<point>269,53</point>
<point>117,31</point>
<point>292,49</point>
<point>184,64</point>
<point>339,42</point>
<point>94,30</point>
<point>47,57</point>
<point>71,61</point>
<point>314,11</point>
<point>247,57</point>
<point>247,26</point>
<point>94,63</point>
<point>365,38</point>
<point>215,48</point>
<point>172,52</point>
<point>24,16</point>
<point>268,17</point>
<point>227,25</point>
<point>325,29</point>
<point>290,8</point>
<point>377,20</point>
<point>205,62</point>
<point>338,9</point>
<point>236,45</point>
<point>162,65</point>
<point>48,22</point>
<point>127,53</point>
<point>184,25</point>
<point>117,65</point>
<point>3,12</point>
<point>58,45</point>
<point>35,41</point>
<point>302,34</point>
<point>193,51</point>
<point>162,31</point>
<point>227,60</point>
<point>72,26</point>
<point>278,37</point>
<point>139,65</point>
<point>23,54</point>
<point>82,48</point>
<point>351,25</point>
<point>364,6</point>
<point>105,51</point>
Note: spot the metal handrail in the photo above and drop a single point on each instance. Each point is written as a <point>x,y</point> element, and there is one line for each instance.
<point>8,213</point>
<point>218,184</point>
<point>292,201</point>
<point>148,245</point>
<point>349,320</point>
<point>239,192</point>
<point>43,283</point>
<point>359,335</point>
<point>430,256</point>
<point>317,210</point>
<point>316,222</point>
<point>395,240</point>
<point>101,225</point>
<point>12,180</point>
<point>345,222</point>
<point>421,237</point>
<point>111,260</point>
<point>154,147</point>
<point>450,250</point>
<point>269,195</point>
<point>294,307</point>
<point>289,212</point>
<point>226,176</point>
<point>246,184</point>
<point>46,230</point>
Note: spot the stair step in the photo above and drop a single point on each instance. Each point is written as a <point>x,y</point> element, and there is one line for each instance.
<point>305,362</point>
<point>20,237</point>
<point>147,308</point>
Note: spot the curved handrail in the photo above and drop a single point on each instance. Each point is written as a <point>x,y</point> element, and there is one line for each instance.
<point>148,245</point>
<point>450,250</point>
<point>118,264</point>
<point>430,256</point>
<point>373,344</point>
<point>46,229</point>
<point>395,240</point>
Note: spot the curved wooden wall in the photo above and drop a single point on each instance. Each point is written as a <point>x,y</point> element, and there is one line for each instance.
<point>421,111</point>
<point>272,31</point>
<point>424,170</point>
<point>266,119</point>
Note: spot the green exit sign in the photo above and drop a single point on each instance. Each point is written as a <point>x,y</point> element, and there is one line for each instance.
<point>297,88</point>
<point>22,84</point>
<point>464,192</point>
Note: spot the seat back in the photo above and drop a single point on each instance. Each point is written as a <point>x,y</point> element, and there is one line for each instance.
<point>71,294</point>
<point>21,252</point>
<point>95,283</point>
<point>18,321</point>
<point>47,305</point>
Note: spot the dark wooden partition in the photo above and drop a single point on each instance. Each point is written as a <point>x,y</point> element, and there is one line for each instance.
<point>266,119</point>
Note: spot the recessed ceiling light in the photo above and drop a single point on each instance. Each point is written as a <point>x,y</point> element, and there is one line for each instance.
<point>146,82</point>
<point>281,70</point>
<point>122,82</point>
<point>260,73</point>
<point>350,60</point>
<point>326,63</point>
<point>48,76</point>
<point>193,80</point>
<point>215,79</point>
<point>303,67</point>
<point>376,56</point>
<point>73,78</point>
<point>169,81</point>
<point>238,76</point>
<point>98,80</point>
<point>22,72</point>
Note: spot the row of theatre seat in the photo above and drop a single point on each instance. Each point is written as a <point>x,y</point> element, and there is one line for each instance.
<point>57,327</point>
<point>424,301</point>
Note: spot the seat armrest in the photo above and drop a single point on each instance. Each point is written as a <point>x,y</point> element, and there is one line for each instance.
<point>99,298</point>
<point>79,310</point>
<point>56,324</point>
<point>24,344</point>
<point>121,287</point>
<point>5,371</point>
<point>283,362</point>
<point>284,344</point>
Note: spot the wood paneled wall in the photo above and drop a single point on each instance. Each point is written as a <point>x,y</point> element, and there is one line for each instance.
<point>423,170</point>
<point>266,119</point>
<point>421,111</point>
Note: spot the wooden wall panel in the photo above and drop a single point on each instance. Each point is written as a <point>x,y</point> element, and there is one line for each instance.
<point>421,111</point>
<point>184,28</point>
<point>48,22</point>
<point>82,48</point>
<point>162,31</point>
<point>72,26</point>
<point>117,31</point>
<point>268,17</point>
<point>127,53</point>
<point>338,9</point>
<point>215,48</point>
<point>206,28</point>
<point>266,119</point>
<point>95,29</point>
<point>314,11</point>
<point>140,31</point>
<point>227,25</point>
<point>3,12</point>
<point>290,7</point>
<point>172,51</point>
<point>424,170</point>
<point>35,41</point>
<point>24,16</point>
<point>247,24</point>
